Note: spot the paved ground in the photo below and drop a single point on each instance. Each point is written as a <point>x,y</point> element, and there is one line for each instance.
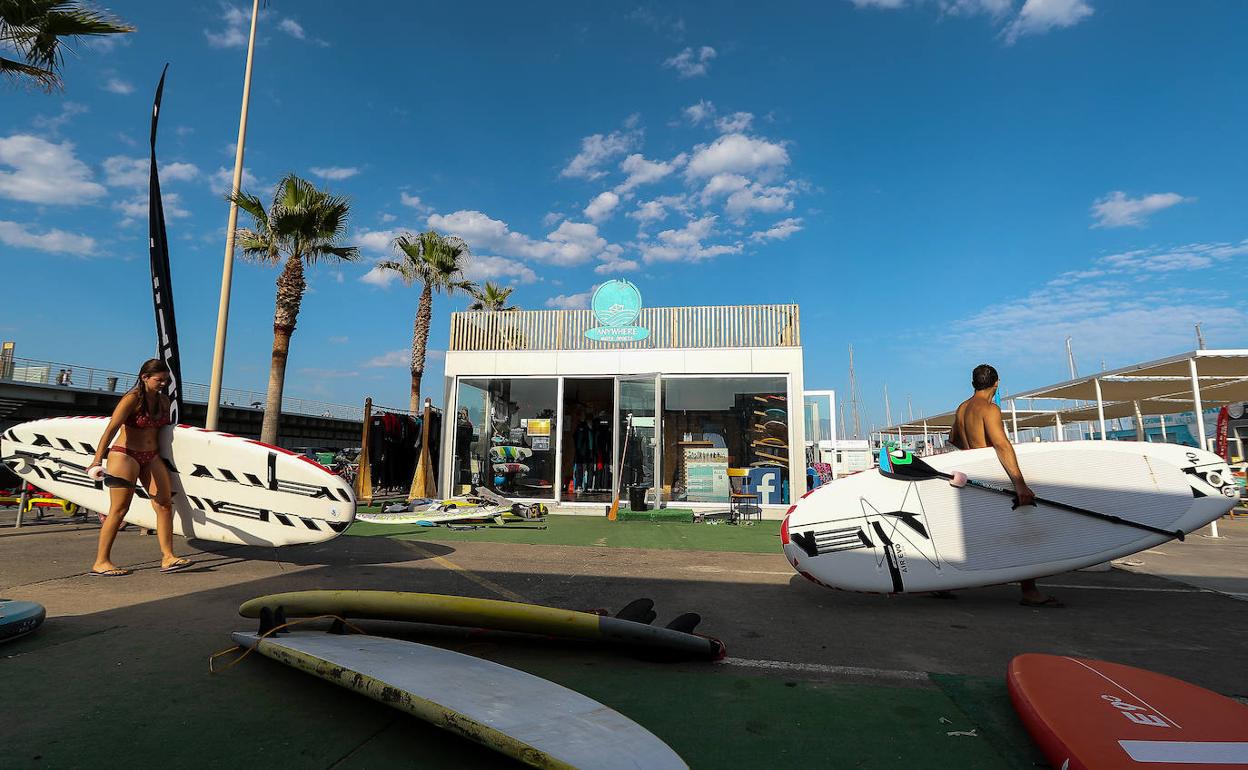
<point>815,678</point>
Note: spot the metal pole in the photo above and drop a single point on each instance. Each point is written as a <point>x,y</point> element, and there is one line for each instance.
<point>1139,424</point>
<point>1100,406</point>
<point>1164,437</point>
<point>926,448</point>
<point>1058,418</point>
<point>1200,423</point>
<point>1014,418</point>
<point>227,270</point>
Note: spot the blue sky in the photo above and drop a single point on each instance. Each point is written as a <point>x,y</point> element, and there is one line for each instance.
<point>937,182</point>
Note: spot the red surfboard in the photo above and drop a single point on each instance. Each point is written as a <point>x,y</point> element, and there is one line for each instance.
<point>1093,715</point>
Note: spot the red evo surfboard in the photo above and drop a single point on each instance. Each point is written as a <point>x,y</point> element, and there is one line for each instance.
<point>1093,715</point>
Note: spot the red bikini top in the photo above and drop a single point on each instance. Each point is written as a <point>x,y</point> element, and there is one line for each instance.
<point>137,420</point>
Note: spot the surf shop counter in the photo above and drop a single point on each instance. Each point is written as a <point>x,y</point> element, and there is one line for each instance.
<point>550,404</point>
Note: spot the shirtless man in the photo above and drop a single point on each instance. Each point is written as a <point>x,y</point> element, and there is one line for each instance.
<point>978,425</point>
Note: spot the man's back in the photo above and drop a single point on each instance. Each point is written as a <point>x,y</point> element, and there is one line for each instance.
<point>970,427</point>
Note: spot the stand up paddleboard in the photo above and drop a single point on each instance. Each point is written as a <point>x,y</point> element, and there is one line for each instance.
<point>1093,715</point>
<point>488,613</point>
<point>19,618</point>
<point>523,716</point>
<point>226,488</point>
<point>909,531</point>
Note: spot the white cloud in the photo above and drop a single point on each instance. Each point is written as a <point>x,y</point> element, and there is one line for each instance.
<point>375,241</point>
<point>1117,308</point>
<point>339,340</point>
<point>44,172</point>
<point>686,243</point>
<point>379,278</point>
<point>118,86</point>
<point>779,231</point>
<point>737,154</point>
<point>394,358</point>
<point>889,4</point>
<point>744,196</point>
<point>641,171</point>
<point>1117,210</point>
<point>602,206</point>
<point>335,172</point>
<point>123,171</point>
<point>735,123</point>
<point>597,149</point>
<point>53,241</point>
<point>498,269</point>
<point>234,33</point>
<point>700,113</point>
<point>569,244</point>
<point>689,63</point>
<point>570,301</point>
<point>994,8</point>
<point>387,217</point>
<point>413,201</point>
<point>1039,16</point>
<point>221,181</point>
<point>136,208</point>
<point>612,261</point>
<point>551,218</point>
<point>69,110</point>
<point>292,28</point>
<point>649,211</point>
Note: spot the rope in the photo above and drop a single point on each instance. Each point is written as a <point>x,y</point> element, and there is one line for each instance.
<point>270,632</point>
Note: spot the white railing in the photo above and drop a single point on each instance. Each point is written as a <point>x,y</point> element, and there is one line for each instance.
<point>716,326</point>
<point>36,372</point>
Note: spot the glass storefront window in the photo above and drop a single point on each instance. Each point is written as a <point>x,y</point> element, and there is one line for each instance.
<point>505,436</point>
<point>710,424</point>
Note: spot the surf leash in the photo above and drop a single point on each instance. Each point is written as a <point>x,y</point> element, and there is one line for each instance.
<point>904,466</point>
<point>271,632</point>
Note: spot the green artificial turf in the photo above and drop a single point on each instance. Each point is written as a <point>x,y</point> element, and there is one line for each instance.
<point>599,532</point>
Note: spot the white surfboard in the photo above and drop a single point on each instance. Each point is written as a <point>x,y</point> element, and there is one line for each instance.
<point>526,717</point>
<point>226,488</point>
<point>867,532</point>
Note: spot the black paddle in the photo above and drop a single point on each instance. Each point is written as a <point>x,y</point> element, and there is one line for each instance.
<point>907,467</point>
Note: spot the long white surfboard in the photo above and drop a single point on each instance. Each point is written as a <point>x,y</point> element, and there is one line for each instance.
<point>871,533</point>
<point>526,717</point>
<point>226,488</point>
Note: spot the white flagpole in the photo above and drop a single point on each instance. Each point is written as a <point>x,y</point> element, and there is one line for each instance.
<point>227,271</point>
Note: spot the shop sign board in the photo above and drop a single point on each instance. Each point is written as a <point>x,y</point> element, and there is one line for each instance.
<point>616,305</point>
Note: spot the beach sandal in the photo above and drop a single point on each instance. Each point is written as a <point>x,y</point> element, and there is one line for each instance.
<point>114,572</point>
<point>180,564</point>
<point>1049,602</point>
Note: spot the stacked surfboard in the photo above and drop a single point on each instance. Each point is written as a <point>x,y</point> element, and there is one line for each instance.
<point>1101,500</point>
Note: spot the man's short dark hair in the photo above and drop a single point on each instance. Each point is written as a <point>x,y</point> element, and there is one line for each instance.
<point>983,377</point>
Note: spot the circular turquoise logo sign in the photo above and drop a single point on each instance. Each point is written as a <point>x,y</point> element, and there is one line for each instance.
<point>616,306</point>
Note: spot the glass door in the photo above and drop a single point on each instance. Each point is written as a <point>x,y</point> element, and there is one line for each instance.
<point>637,432</point>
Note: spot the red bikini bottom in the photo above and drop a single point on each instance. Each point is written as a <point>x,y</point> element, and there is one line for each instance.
<point>142,457</point>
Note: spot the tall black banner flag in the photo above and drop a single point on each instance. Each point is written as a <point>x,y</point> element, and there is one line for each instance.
<point>162,286</point>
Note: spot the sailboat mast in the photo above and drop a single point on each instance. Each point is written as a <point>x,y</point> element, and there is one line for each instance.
<point>853,394</point>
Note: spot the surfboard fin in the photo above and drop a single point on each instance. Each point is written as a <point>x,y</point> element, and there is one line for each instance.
<point>266,621</point>
<point>685,623</point>
<point>638,611</point>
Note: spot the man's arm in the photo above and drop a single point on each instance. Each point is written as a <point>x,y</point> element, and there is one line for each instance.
<point>994,431</point>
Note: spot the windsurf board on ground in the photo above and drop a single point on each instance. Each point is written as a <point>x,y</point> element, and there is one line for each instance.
<point>430,517</point>
<point>523,716</point>
<point>867,532</point>
<point>511,468</point>
<point>1095,715</point>
<point>486,613</point>
<point>18,618</point>
<point>508,454</point>
<point>226,488</point>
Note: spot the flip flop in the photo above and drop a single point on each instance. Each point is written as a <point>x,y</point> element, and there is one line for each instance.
<point>1050,602</point>
<point>114,572</point>
<point>180,564</point>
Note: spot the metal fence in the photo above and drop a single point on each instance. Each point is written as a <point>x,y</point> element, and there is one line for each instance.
<point>36,372</point>
<point>716,326</point>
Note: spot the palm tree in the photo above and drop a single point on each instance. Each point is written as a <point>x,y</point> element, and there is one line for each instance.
<point>34,28</point>
<point>437,263</point>
<point>304,224</point>
<point>491,297</point>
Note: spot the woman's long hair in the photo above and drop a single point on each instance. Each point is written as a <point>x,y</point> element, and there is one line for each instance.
<point>150,366</point>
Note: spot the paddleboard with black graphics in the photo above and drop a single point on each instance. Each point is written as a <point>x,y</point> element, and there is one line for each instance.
<point>531,719</point>
<point>18,618</point>
<point>226,488</point>
<point>1097,501</point>
<point>1095,715</point>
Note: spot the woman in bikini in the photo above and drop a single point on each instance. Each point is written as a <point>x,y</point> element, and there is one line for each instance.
<point>136,457</point>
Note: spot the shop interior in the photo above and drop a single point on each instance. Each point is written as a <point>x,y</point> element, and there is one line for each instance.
<point>588,406</point>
